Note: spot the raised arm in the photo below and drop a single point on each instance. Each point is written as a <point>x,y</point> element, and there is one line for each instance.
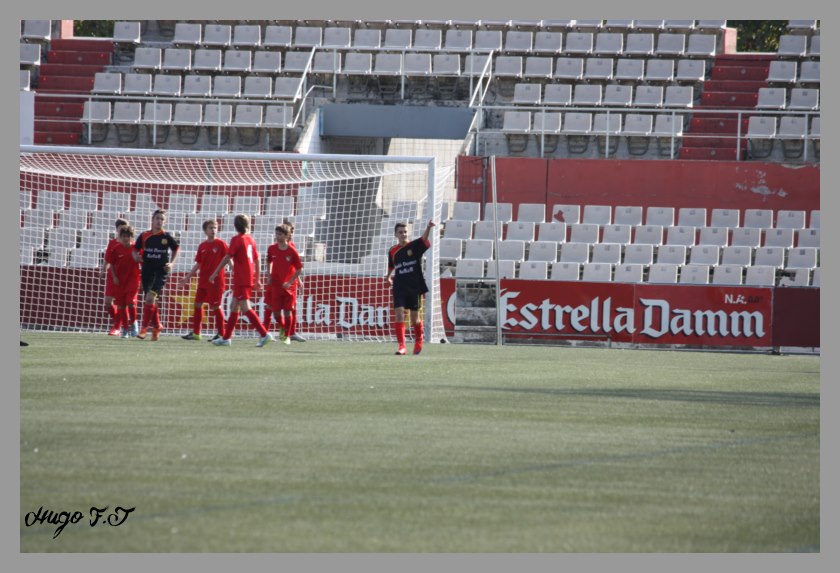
<point>428,230</point>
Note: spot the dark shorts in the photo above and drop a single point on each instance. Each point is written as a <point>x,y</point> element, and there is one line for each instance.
<point>154,281</point>
<point>411,301</point>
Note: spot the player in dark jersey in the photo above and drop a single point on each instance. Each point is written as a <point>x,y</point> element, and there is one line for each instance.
<point>154,248</point>
<point>408,283</point>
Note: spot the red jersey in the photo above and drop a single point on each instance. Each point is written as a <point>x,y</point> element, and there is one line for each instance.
<point>243,252</point>
<point>208,256</point>
<point>112,244</point>
<point>284,263</point>
<point>125,267</point>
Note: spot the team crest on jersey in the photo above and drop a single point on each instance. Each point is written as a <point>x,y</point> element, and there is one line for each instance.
<point>410,253</point>
<point>163,242</point>
<point>288,259</point>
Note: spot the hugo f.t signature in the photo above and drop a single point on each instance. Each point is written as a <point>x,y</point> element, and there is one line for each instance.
<point>95,516</point>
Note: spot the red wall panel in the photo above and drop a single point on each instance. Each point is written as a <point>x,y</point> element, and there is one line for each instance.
<point>796,317</point>
<point>666,183</point>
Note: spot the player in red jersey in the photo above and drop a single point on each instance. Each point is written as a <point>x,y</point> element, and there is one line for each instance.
<point>125,276</point>
<point>208,256</point>
<point>246,278</point>
<point>110,288</point>
<point>292,321</point>
<point>285,267</point>
<point>157,250</point>
<point>408,284</point>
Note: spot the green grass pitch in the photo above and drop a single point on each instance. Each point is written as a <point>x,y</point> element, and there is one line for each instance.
<point>343,447</point>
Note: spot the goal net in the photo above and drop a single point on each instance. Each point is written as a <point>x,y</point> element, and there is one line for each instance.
<point>343,208</point>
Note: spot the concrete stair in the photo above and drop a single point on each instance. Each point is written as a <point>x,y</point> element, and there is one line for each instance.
<point>733,85</point>
<point>68,71</point>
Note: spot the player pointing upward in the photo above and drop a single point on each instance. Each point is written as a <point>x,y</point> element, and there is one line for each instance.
<point>408,283</point>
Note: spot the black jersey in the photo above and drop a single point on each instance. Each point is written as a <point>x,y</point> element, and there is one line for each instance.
<point>408,270</point>
<point>156,249</point>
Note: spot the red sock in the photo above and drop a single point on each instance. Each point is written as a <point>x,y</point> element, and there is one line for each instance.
<point>147,314</point>
<point>254,319</point>
<point>198,316</point>
<point>399,329</point>
<point>118,316</point>
<point>220,320</point>
<point>112,314</point>
<point>233,318</point>
<point>417,329</point>
<point>281,321</point>
<point>156,316</point>
<point>125,316</point>
<point>293,322</point>
<point>132,313</point>
<point>267,314</point>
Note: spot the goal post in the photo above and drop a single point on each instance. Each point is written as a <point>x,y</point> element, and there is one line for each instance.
<point>343,207</point>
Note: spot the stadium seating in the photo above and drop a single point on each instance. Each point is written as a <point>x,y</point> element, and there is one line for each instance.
<point>570,84</point>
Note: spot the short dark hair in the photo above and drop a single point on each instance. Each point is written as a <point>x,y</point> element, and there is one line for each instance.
<point>241,223</point>
<point>127,230</point>
<point>289,224</point>
<point>207,223</point>
<point>283,228</point>
<point>120,222</point>
<point>158,212</point>
<point>400,224</point>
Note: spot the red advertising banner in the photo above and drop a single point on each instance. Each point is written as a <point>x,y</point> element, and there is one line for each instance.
<point>71,299</point>
<point>568,309</point>
<point>693,315</point>
<point>447,301</point>
<point>640,314</point>
<point>704,315</point>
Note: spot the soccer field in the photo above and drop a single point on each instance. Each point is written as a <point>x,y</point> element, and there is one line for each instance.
<point>344,447</point>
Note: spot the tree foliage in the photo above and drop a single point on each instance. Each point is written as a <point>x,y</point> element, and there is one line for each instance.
<point>93,28</point>
<point>758,35</point>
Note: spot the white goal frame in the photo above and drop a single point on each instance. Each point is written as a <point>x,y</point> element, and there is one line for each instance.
<point>344,167</point>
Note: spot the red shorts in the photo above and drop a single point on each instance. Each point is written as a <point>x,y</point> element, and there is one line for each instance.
<point>211,295</point>
<point>282,300</point>
<point>126,297</point>
<point>242,292</point>
<point>111,289</point>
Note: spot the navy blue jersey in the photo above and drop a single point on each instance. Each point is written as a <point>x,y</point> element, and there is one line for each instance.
<point>156,249</point>
<point>408,270</point>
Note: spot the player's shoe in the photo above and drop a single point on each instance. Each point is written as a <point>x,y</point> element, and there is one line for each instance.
<point>134,328</point>
<point>221,341</point>
<point>142,334</point>
<point>265,339</point>
<point>298,338</point>
<point>287,340</point>
<point>400,351</point>
<point>418,347</point>
<point>216,337</point>
<point>191,336</point>
<point>126,333</point>
<point>156,334</point>
<point>114,332</point>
